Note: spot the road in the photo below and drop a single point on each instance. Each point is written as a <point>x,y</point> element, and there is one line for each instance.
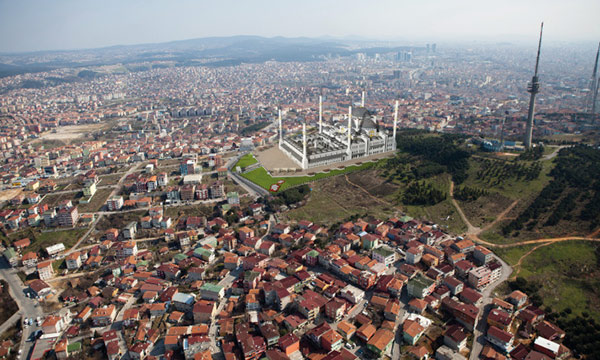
<point>471,230</point>
<point>554,153</point>
<point>212,331</point>
<point>28,307</point>
<point>481,329</point>
<point>252,189</point>
<point>118,324</point>
<point>87,233</point>
<point>119,185</point>
<point>79,190</point>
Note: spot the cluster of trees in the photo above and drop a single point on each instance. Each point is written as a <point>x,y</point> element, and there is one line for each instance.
<point>427,169</point>
<point>542,203</point>
<point>591,210</point>
<point>576,180</point>
<point>290,196</point>
<point>443,150</point>
<point>562,210</point>
<point>254,127</point>
<point>534,153</point>
<point>496,172</point>
<point>422,193</point>
<point>87,74</point>
<point>582,333</point>
<point>9,306</point>
<point>466,193</point>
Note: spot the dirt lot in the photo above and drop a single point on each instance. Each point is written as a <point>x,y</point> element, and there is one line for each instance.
<point>9,194</point>
<point>66,133</point>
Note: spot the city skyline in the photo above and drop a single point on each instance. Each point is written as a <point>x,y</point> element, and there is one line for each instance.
<point>33,25</point>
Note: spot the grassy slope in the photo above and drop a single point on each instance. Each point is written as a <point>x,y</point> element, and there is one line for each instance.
<point>262,178</point>
<point>511,187</point>
<point>334,199</point>
<point>443,213</point>
<point>485,209</point>
<point>245,161</point>
<point>567,271</point>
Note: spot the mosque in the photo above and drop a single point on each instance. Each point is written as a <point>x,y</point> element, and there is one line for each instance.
<point>339,142</point>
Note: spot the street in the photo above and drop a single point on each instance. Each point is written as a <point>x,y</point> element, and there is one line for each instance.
<point>28,307</point>
<point>479,332</point>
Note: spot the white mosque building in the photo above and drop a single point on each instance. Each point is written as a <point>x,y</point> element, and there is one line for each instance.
<point>335,143</point>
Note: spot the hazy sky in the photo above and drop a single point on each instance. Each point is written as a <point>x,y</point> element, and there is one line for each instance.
<point>68,24</point>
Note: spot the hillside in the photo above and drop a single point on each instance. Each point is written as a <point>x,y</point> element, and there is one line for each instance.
<point>568,204</point>
<point>418,180</point>
<point>504,198</point>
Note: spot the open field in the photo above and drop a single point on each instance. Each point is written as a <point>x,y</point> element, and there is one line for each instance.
<point>512,255</point>
<point>110,179</point>
<point>262,178</point>
<point>334,199</point>
<point>168,163</point>
<point>41,240</point>
<point>485,209</point>
<point>366,193</point>
<point>54,199</point>
<point>118,221</point>
<point>443,214</point>
<point>98,200</point>
<point>190,210</point>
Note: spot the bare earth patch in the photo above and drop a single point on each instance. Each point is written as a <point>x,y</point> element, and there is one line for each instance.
<point>6,195</point>
<point>72,132</point>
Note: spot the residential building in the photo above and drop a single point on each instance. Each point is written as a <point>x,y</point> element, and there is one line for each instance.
<point>68,216</point>
<point>115,203</point>
<point>420,286</point>
<point>381,342</point>
<point>500,338</point>
<point>384,255</point>
<point>45,270</point>
<point>104,316</point>
<point>73,260</point>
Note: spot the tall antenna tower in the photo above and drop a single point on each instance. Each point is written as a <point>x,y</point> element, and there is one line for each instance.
<point>502,131</point>
<point>533,89</point>
<point>592,97</point>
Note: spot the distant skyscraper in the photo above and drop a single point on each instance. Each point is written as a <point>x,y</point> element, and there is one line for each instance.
<point>404,56</point>
<point>533,89</point>
<point>433,47</point>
